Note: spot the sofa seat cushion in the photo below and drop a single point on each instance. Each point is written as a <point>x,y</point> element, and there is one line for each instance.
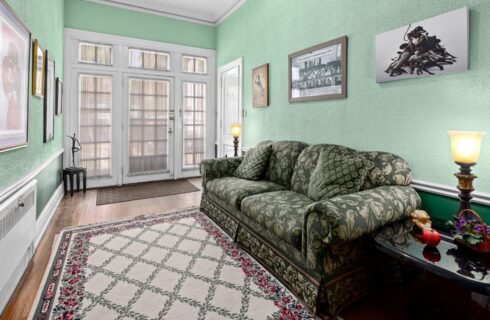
<point>233,190</point>
<point>280,212</point>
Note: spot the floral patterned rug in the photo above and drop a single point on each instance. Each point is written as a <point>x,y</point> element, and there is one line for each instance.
<point>178,265</point>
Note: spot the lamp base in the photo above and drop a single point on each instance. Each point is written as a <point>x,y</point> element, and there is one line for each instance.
<point>235,145</point>
<point>465,184</point>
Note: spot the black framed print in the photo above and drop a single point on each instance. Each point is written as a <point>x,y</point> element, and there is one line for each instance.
<point>49,98</point>
<point>59,97</point>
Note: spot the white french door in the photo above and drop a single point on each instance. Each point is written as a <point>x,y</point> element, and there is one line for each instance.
<point>142,110</point>
<point>148,128</point>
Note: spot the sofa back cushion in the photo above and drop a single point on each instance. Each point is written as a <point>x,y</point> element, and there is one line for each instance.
<point>307,162</point>
<point>337,176</point>
<point>387,169</point>
<point>282,161</point>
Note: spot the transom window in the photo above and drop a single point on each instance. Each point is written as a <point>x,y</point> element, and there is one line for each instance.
<point>95,53</point>
<point>192,64</point>
<point>152,60</point>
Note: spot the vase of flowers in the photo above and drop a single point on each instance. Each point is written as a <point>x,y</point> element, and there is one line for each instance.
<point>469,230</point>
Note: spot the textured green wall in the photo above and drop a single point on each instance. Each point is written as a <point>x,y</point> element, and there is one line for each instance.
<point>45,20</point>
<point>408,117</point>
<point>108,19</point>
<point>48,180</point>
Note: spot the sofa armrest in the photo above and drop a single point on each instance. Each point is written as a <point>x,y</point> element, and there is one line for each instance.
<point>332,224</point>
<point>216,168</point>
<point>349,217</point>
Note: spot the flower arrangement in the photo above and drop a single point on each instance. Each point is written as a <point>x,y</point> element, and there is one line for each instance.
<point>470,230</point>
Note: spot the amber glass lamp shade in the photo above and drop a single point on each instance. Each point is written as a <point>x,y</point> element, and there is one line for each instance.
<point>465,146</point>
<point>235,130</point>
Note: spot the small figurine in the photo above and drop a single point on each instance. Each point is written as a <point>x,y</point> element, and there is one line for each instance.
<point>74,148</point>
<point>422,220</point>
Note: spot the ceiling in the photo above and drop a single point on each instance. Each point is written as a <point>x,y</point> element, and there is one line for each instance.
<point>209,12</point>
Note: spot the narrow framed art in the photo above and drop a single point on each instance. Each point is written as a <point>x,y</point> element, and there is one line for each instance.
<point>49,99</point>
<point>260,85</point>
<point>59,97</point>
<point>15,48</point>
<point>38,71</point>
<point>319,72</point>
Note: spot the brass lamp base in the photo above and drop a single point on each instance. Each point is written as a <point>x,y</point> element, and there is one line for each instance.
<point>465,184</point>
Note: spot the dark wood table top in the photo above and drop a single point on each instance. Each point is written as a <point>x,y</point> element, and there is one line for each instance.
<point>448,260</point>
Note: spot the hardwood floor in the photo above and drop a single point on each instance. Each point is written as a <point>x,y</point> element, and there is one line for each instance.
<point>424,297</point>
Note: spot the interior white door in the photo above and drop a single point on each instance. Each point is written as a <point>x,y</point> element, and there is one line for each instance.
<point>230,105</point>
<point>148,144</point>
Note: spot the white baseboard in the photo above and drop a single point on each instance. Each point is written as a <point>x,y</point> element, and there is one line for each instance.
<point>47,214</point>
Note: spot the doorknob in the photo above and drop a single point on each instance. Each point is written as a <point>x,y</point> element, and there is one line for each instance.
<point>170,130</point>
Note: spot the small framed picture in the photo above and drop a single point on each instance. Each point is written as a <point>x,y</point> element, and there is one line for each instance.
<point>319,72</point>
<point>260,84</point>
<point>49,98</point>
<point>38,71</point>
<point>59,97</point>
<point>15,46</point>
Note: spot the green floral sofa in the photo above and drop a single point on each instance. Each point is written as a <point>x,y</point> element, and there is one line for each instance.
<point>320,250</point>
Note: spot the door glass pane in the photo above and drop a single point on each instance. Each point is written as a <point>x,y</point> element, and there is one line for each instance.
<point>148,121</point>
<point>194,97</point>
<point>95,104</point>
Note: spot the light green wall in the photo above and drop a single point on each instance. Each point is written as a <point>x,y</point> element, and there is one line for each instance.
<point>48,180</point>
<point>45,19</point>
<point>112,20</point>
<point>408,117</point>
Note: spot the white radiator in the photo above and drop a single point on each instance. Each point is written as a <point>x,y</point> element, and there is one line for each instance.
<point>17,229</point>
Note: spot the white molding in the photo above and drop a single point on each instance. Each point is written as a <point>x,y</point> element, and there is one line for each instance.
<point>11,189</point>
<point>170,15</point>
<point>47,214</point>
<point>449,191</point>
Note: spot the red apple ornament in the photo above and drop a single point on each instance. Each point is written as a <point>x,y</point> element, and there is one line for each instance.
<point>431,237</point>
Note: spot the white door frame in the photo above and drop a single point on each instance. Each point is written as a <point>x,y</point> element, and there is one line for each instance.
<point>119,67</point>
<point>219,123</point>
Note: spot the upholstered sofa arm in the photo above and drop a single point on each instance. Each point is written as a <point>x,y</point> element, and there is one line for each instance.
<point>349,217</point>
<point>331,224</point>
<point>216,168</point>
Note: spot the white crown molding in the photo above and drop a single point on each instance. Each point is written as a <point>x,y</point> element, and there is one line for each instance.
<point>9,190</point>
<point>175,16</point>
<point>449,191</point>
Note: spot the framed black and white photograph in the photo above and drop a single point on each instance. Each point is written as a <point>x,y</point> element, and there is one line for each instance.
<point>437,45</point>
<point>319,72</point>
<point>15,45</point>
<point>49,99</point>
<point>59,97</point>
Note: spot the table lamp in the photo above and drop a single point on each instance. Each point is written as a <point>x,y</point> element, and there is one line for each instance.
<point>465,151</point>
<point>235,132</point>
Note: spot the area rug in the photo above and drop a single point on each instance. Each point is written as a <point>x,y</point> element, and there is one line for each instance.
<point>144,190</point>
<point>179,265</point>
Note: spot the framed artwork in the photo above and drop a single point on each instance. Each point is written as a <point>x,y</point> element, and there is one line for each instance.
<point>59,97</point>
<point>49,98</point>
<point>319,72</point>
<point>37,70</point>
<point>260,85</point>
<point>437,45</point>
<point>15,45</point>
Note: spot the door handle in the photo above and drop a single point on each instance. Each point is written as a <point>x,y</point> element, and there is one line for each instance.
<point>170,131</point>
